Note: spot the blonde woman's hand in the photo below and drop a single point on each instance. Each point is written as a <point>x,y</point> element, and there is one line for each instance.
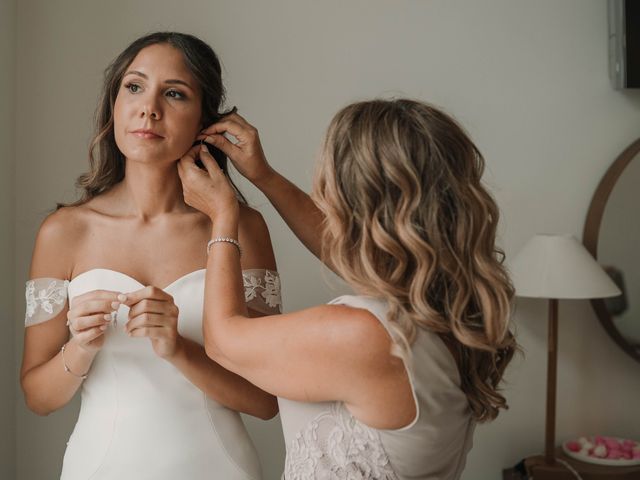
<point>246,153</point>
<point>208,191</point>
<point>89,316</point>
<point>153,314</point>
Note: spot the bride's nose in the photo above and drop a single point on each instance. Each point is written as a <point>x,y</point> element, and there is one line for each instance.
<point>150,110</point>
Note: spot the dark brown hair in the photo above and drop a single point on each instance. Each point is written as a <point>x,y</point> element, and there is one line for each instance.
<point>107,163</point>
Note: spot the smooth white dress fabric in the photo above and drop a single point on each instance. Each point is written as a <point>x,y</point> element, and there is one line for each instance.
<point>325,442</point>
<point>140,418</point>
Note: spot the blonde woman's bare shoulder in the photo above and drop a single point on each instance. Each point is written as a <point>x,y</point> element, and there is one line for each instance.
<point>378,391</point>
<point>360,330</point>
<point>58,238</point>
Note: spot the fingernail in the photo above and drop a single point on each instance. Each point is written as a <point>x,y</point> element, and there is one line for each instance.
<point>102,327</point>
<point>203,148</point>
<point>122,298</point>
<point>107,317</point>
<point>115,305</point>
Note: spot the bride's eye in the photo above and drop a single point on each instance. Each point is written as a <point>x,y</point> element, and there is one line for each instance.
<point>175,94</point>
<point>132,87</point>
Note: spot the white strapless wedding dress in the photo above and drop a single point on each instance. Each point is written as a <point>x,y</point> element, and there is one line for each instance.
<point>140,418</point>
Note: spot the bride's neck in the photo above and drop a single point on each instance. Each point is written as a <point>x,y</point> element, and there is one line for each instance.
<point>152,190</point>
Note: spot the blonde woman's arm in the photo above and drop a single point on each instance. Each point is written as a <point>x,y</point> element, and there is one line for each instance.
<point>324,353</point>
<point>294,205</point>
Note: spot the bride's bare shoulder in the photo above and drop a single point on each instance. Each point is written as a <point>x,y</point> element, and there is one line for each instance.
<point>58,238</point>
<point>253,235</point>
<point>65,223</point>
<point>252,224</point>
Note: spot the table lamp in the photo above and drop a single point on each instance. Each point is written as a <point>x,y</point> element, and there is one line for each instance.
<point>557,267</point>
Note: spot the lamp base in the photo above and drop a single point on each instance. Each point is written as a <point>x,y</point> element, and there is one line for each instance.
<point>539,470</point>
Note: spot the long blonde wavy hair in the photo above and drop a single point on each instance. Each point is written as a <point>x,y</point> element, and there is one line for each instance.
<point>408,219</point>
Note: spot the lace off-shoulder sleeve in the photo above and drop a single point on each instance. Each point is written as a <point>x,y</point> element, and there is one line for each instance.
<point>46,298</point>
<point>262,290</point>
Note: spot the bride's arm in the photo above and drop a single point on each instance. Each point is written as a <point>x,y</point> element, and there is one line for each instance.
<point>46,385</point>
<point>218,383</point>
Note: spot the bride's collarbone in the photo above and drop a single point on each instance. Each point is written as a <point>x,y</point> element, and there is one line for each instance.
<point>148,260</point>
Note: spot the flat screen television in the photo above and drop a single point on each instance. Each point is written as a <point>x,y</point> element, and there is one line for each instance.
<point>624,43</point>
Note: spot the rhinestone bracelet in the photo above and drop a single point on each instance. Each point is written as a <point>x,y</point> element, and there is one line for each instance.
<point>224,239</point>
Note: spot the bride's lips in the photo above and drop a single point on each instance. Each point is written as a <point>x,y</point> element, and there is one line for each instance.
<point>146,134</point>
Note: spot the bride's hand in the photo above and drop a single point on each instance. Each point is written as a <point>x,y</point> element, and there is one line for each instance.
<point>246,154</point>
<point>88,317</point>
<point>154,314</point>
<point>208,191</point>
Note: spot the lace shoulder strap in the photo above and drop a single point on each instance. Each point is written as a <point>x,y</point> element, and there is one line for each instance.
<point>262,290</point>
<point>46,298</point>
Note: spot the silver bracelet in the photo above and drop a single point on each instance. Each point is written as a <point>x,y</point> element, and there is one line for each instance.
<point>66,367</point>
<point>224,239</point>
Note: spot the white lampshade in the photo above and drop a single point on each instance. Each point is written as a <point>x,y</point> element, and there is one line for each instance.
<point>558,266</point>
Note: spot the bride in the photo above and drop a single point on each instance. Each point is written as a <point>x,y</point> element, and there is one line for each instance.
<point>114,304</point>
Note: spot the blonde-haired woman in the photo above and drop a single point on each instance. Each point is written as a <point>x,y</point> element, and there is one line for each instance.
<point>388,383</point>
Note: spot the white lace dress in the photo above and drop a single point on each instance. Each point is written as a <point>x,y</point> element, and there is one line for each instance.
<point>325,442</point>
<point>140,418</point>
<point>335,446</point>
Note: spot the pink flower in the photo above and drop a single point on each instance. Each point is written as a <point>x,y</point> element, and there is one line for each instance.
<point>574,446</point>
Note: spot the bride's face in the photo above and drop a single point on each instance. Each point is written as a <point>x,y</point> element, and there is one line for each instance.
<point>158,110</point>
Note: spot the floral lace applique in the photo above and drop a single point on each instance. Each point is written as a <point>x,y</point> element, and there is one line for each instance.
<point>45,298</point>
<point>335,446</point>
<point>262,290</point>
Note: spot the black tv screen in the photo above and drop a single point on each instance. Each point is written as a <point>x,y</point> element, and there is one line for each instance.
<point>632,31</point>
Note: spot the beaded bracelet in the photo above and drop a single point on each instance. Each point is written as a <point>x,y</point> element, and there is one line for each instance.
<point>224,239</point>
<point>66,367</point>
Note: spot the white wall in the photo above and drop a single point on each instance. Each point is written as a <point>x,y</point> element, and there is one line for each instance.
<point>8,375</point>
<point>528,80</point>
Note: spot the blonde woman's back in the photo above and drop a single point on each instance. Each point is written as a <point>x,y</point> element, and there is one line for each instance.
<point>325,441</point>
